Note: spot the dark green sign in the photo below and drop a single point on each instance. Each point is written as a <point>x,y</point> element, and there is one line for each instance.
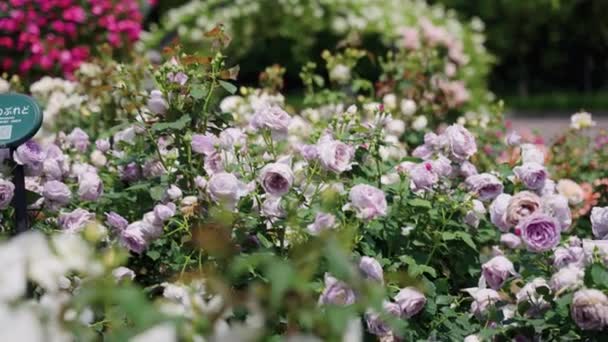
<point>20,119</point>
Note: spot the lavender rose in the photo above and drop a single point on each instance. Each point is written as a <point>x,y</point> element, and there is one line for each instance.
<point>79,139</point>
<point>226,189</point>
<point>369,201</point>
<point>157,103</point>
<point>336,292</point>
<point>533,175</point>
<point>567,278</point>
<point>496,271</point>
<point>498,212</point>
<point>133,237</point>
<point>589,309</point>
<point>75,221</point>
<point>30,154</point>
<point>376,325</point>
<point>522,205</point>
<point>276,179</point>
<point>130,172</point>
<point>567,256</point>
<point>57,192</point>
<point>557,206</point>
<point>599,222</point>
<point>512,241</point>
<point>103,145</point>
<point>528,293</point>
<point>335,155</point>
<point>474,215</point>
<point>7,190</point>
<point>204,143</point>
<point>271,117</point>
<point>411,301</point>
<point>116,221</point>
<point>539,232</point>
<point>90,186</point>
<point>483,300</point>
<point>371,269</point>
<point>485,185</point>
<point>323,222</point>
<point>460,142</point>
<point>467,169</point>
<point>423,177</point>
<point>163,212</point>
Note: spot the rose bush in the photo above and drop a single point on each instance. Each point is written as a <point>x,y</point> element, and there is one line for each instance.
<point>203,214</point>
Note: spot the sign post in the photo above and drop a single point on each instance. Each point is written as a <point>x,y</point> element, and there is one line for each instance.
<point>20,119</point>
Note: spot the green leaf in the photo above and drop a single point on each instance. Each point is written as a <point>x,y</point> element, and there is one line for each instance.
<point>157,192</point>
<point>597,276</point>
<point>415,269</point>
<point>280,275</point>
<point>198,91</point>
<point>420,203</point>
<point>229,87</point>
<point>177,125</point>
<point>153,254</point>
<point>464,236</point>
<point>31,197</point>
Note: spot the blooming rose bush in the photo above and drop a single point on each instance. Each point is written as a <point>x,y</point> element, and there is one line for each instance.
<point>202,214</point>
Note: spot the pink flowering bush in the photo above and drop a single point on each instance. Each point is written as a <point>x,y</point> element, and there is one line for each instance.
<point>53,37</point>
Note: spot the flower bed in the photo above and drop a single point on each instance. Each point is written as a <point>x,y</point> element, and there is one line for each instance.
<point>185,208</point>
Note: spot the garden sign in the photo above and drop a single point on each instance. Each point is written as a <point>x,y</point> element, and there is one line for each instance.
<point>20,119</point>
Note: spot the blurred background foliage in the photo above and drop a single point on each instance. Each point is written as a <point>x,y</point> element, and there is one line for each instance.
<point>550,53</point>
<point>547,56</point>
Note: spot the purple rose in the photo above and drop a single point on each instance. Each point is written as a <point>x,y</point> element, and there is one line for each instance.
<point>174,193</point>
<point>485,185</point>
<point>232,137</point>
<point>540,232</point>
<point>533,175</point>
<point>204,143</point>
<point>57,192</point>
<point>376,325</point>
<point>467,169</point>
<point>371,269</point>
<point>557,206</point>
<point>156,102</point>
<point>103,145</point>
<point>78,139</point>
<point>130,172</point>
<point>214,163</point>
<point>336,292</point>
<point>599,222</point>
<point>226,189</point>
<point>460,142</point>
<point>483,301</point>
<point>276,179</point>
<point>75,221</point>
<point>566,256</point>
<point>30,154</point>
<point>411,301</point>
<point>442,166</point>
<point>308,152</point>
<point>273,118</point>
<point>163,212</point>
<point>510,240</point>
<point>423,152</point>
<point>323,222</point>
<point>496,271</point>
<point>335,155</point>
<point>589,309</point>
<point>272,208</point>
<point>90,186</point>
<point>423,176</point>
<point>153,169</point>
<point>369,201</point>
<point>474,215</point>
<point>7,190</point>
<point>133,237</point>
<point>498,212</point>
<point>116,221</point>
<point>179,78</point>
